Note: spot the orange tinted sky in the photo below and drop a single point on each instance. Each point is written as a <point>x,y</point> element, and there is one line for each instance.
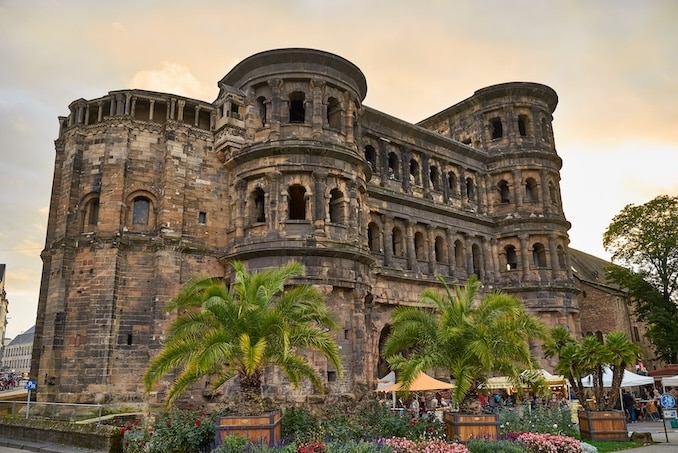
<point>612,62</point>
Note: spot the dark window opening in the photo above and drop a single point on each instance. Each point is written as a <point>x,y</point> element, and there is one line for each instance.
<point>261,106</point>
<point>522,125</point>
<point>531,192</point>
<point>440,250</point>
<point>434,176</point>
<point>331,376</point>
<point>393,168</point>
<point>552,194</point>
<point>511,257</point>
<point>466,141</point>
<point>202,218</point>
<point>336,206</point>
<point>373,237</point>
<point>545,131</point>
<point>297,108</point>
<point>459,254</point>
<point>470,190</point>
<point>561,257</point>
<point>93,212</point>
<point>475,252</point>
<point>258,204</point>
<point>504,192</point>
<point>452,183</point>
<point>539,255</point>
<point>419,246</point>
<point>414,172</point>
<point>297,200</point>
<point>141,209</point>
<point>397,242</point>
<point>497,128</point>
<point>333,113</point>
<point>371,157</point>
<point>129,339</point>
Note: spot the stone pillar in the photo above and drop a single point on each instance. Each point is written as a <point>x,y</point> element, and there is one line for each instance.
<point>383,151</point>
<point>545,195</point>
<point>409,243</point>
<point>320,211</point>
<point>150,110</point>
<point>276,104</point>
<point>319,111</point>
<point>405,169</point>
<point>347,126</point>
<point>451,256</point>
<point>524,257</point>
<point>387,225</point>
<point>241,195</point>
<point>180,113</point>
<point>431,250</point>
<point>553,258</point>
<point>517,193</point>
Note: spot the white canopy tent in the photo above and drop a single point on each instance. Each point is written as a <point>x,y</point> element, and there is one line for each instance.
<point>629,380</point>
<point>670,381</point>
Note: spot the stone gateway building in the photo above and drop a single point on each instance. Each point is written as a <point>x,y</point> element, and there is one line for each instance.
<point>151,189</point>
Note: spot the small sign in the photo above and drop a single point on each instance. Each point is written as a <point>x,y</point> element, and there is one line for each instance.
<point>668,401</point>
<point>670,414</point>
<point>30,385</point>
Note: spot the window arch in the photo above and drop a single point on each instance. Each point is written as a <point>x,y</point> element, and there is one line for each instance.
<point>90,217</point>
<point>297,107</point>
<point>337,203</point>
<point>262,111</point>
<point>496,128</point>
<point>258,202</point>
<point>511,257</point>
<point>452,183</point>
<point>397,242</point>
<point>459,254</point>
<point>531,191</point>
<point>504,191</point>
<point>373,237</point>
<point>333,113</point>
<point>440,249</point>
<point>475,253</point>
<point>553,195</point>
<point>419,246</point>
<point>414,172</point>
<point>371,157</point>
<point>470,189</point>
<point>434,177</point>
<point>523,124</point>
<point>539,255</point>
<point>393,166</point>
<point>297,202</point>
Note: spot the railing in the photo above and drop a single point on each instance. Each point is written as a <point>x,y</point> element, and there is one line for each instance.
<point>71,412</point>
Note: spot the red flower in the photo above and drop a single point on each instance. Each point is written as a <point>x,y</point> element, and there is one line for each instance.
<point>198,422</point>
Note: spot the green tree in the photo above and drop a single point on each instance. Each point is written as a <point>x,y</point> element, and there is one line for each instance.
<point>590,357</point>
<point>464,334</point>
<point>643,240</point>
<point>260,322</point>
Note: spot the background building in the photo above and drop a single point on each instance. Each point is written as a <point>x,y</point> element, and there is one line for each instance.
<point>151,189</point>
<point>17,357</point>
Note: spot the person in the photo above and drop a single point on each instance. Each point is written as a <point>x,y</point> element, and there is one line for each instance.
<point>629,405</point>
<point>414,407</point>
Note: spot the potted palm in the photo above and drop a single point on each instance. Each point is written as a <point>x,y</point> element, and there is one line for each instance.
<point>261,321</point>
<point>468,336</point>
<point>586,360</point>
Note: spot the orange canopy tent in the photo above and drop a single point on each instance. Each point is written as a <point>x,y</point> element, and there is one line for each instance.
<point>421,383</point>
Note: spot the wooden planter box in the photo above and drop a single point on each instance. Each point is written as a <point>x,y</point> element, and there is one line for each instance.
<point>263,429</point>
<point>466,427</point>
<point>606,425</point>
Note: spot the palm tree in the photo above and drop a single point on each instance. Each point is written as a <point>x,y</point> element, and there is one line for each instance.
<point>467,336</point>
<point>591,357</point>
<point>261,322</point>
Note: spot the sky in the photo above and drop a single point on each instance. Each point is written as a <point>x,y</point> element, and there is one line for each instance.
<point>613,64</point>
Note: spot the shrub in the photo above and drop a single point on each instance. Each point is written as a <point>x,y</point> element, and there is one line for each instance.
<point>300,425</point>
<point>402,445</point>
<point>176,431</point>
<point>500,446</point>
<point>539,420</point>
<point>232,444</point>
<point>538,442</point>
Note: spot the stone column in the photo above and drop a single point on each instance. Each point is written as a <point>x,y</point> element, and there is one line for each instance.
<point>431,250</point>
<point>451,256</point>
<point>319,111</point>
<point>240,188</point>
<point>409,243</point>
<point>276,104</point>
<point>320,211</point>
<point>517,193</point>
<point>387,225</point>
<point>524,256</point>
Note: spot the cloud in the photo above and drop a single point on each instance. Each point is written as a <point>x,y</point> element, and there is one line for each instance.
<point>170,78</point>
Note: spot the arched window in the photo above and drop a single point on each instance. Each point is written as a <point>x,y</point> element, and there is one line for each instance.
<point>297,107</point>
<point>539,255</point>
<point>419,246</point>
<point>397,242</point>
<point>297,201</point>
<point>258,200</point>
<point>459,254</point>
<point>511,257</point>
<point>496,128</point>
<point>91,214</point>
<point>371,157</point>
<point>440,248</point>
<point>373,237</point>
<point>553,194</point>
<point>562,259</point>
<point>141,208</point>
<point>452,184</point>
<point>475,251</point>
<point>504,192</point>
<point>414,172</point>
<point>523,122</point>
<point>434,176</point>
<point>336,206</point>
<point>261,108</point>
<point>333,113</point>
<point>393,166</point>
<point>470,190</point>
<point>531,191</point>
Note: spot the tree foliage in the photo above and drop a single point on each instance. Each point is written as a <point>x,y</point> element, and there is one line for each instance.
<point>590,357</point>
<point>262,321</point>
<point>463,334</point>
<point>643,240</point>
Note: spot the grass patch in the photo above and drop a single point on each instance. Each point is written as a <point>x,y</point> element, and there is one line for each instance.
<point>614,445</point>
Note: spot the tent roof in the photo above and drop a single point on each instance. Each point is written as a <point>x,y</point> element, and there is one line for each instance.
<point>629,380</point>
<point>421,383</point>
<point>670,380</point>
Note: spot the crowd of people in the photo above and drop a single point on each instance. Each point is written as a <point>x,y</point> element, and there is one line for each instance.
<point>9,382</point>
